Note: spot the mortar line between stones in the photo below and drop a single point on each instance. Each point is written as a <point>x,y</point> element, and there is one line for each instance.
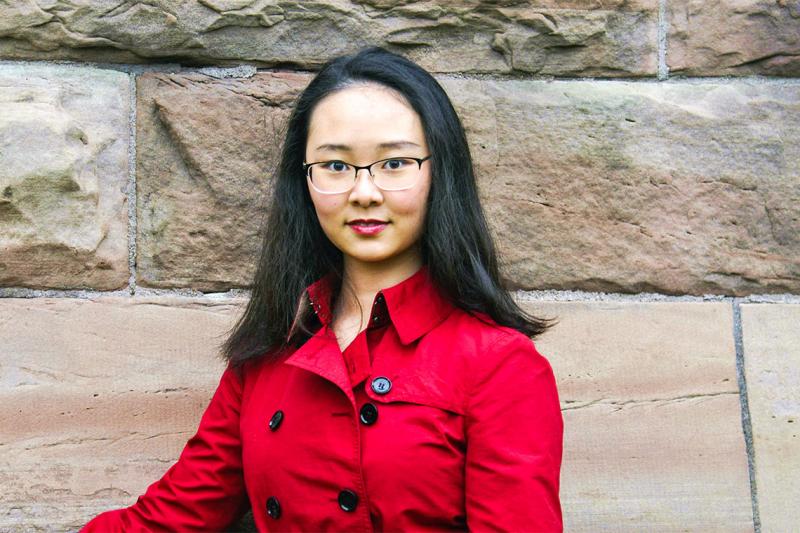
<point>520,296</point>
<point>747,428</point>
<point>663,70</point>
<point>247,70</point>
<point>132,184</point>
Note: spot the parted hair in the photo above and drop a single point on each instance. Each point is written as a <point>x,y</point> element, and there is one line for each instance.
<point>456,242</point>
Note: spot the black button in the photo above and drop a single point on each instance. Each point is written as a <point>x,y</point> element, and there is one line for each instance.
<point>273,507</point>
<point>369,414</point>
<point>381,385</point>
<point>276,420</point>
<point>348,500</point>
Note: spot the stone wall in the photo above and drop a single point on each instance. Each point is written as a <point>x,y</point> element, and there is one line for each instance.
<point>639,161</point>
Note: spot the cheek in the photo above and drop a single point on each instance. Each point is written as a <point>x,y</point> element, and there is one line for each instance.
<point>413,210</point>
<point>326,208</point>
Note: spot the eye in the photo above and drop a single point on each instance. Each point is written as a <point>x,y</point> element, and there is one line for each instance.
<point>396,164</point>
<point>335,166</point>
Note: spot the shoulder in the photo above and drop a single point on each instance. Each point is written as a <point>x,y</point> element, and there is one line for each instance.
<point>504,372</point>
<point>248,371</point>
<point>482,350</point>
<point>484,342</point>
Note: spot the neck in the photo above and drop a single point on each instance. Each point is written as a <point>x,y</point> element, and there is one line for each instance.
<point>366,279</point>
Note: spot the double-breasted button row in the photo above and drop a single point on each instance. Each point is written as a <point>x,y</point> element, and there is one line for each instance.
<point>368,416</point>
<point>348,501</point>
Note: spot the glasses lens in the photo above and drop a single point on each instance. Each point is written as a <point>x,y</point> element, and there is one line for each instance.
<point>332,176</point>
<point>396,173</point>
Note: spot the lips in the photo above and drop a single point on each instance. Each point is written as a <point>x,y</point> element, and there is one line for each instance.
<point>367,226</point>
<point>366,222</point>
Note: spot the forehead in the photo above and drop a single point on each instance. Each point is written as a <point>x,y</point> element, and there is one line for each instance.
<point>364,116</point>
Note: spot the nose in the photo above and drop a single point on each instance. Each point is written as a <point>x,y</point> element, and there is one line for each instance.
<point>364,192</point>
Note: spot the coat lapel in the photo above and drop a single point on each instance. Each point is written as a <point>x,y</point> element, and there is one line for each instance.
<point>321,355</point>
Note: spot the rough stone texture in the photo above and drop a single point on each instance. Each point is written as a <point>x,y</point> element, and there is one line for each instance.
<point>99,396</point>
<point>772,369</point>
<point>612,186</point>
<point>63,177</point>
<point>205,150</point>
<point>733,37</point>
<point>621,186</point>
<point>549,37</point>
<point>653,437</point>
<point>98,399</point>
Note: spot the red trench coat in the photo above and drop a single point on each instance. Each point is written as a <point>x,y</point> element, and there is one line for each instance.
<point>432,419</point>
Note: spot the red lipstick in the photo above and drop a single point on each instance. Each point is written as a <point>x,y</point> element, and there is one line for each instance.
<point>367,226</point>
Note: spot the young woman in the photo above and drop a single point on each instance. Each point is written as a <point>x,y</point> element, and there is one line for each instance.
<point>380,377</point>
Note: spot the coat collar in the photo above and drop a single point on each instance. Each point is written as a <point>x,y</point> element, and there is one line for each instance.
<point>415,305</point>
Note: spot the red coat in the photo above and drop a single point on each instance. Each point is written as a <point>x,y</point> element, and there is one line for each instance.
<point>432,420</point>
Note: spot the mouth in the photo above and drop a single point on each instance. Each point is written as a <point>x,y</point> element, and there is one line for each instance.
<point>367,226</point>
<point>366,222</point>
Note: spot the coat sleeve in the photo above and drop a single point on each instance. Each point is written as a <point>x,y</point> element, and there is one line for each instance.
<point>204,490</point>
<point>514,434</point>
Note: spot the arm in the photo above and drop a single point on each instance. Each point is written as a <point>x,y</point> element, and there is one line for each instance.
<point>514,442</point>
<point>204,490</point>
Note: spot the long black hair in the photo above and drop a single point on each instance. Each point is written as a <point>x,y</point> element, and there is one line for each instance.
<point>456,242</point>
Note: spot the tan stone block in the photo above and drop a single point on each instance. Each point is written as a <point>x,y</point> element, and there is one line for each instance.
<point>618,186</point>
<point>98,398</point>
<point>63,177</point>
<point>657,187</point>
<point>574,38</point>
<point>667,466</point>
<point>771,335</point>
<point>733,38</point>
<point>653,438</point>
<point>206,150</point>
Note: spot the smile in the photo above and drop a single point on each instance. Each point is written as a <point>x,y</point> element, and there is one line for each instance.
<point>368,226</point>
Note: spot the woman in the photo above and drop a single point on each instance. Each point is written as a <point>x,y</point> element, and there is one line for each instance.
<point>403,391</point>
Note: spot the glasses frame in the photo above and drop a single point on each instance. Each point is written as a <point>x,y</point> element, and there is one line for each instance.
<point>307,168</point>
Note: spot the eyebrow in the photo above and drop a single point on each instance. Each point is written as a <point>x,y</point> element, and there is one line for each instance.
<point>344,148</point>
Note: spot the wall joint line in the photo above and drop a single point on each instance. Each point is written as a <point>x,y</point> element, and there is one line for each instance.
<point>132,222</point>
<point>747,427</point>
<point>663,69</point>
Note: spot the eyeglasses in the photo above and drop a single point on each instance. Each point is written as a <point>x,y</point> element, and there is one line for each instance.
<point>392,174</point>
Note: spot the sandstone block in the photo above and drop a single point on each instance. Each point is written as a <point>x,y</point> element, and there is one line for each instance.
<point>110,389</point>
<point>63,177</point>
<point>771,334</point>
<point>548,37</point>
<point>653,437</point>
<point>601,186</point>
<point>98,399</point>
<point>733,38</point>
<point>206,150</point>
<point>659,187</point>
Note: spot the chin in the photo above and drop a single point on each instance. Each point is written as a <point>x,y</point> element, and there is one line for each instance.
<point>373,254</point>
<point>370,257</point>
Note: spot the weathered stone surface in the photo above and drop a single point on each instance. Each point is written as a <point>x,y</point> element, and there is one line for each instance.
<point>549,37</point>
<point>653,437</point>
<point>771,334</point>
<point>730,37</point>
<point>666,187</point>
<point>98,399</point>
<point>63,177</point>
<point>205,150</point>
